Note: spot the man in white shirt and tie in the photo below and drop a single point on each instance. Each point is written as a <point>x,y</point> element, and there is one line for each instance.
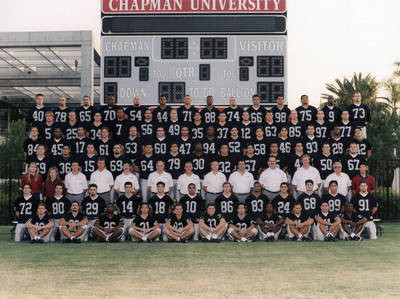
<point>304,173</point>
<point>75,183</point>
<point>188,177</point>
<point>126,176</point>
<point>103,179</point>
<point>213,183</point>
<point>272,178</point>
<point>160,176</point>
<point>343,180</point>
<point>242,182</point>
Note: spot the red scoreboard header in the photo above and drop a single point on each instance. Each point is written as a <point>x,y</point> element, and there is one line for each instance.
<point>192,6</point>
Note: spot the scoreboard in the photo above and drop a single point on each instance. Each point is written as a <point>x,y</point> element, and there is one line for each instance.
<point>222,48</point>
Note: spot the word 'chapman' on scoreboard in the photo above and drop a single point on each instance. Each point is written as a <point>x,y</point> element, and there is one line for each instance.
<point>198,48</point>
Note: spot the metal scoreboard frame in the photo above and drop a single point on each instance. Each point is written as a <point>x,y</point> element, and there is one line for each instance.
<point>232,48</point>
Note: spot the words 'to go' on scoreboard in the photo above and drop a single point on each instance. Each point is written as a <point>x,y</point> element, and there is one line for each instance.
<point>222,48</point>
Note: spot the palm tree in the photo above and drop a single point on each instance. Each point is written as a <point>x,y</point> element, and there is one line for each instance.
<point>344,89</point>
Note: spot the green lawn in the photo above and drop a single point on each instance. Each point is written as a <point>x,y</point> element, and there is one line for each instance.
<point>368,269</point>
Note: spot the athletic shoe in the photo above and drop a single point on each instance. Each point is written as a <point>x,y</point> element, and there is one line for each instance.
<point>66,241</point>
<point>113,240</point>
<point>306,239</point>
<point>40,241</point>
<point>326,239</point>
<point>33,241</point>
<point>357,238</point>
<point>249,240</point>
<point>348,238</point>
<point>184,240</point>
<point>299,239</point>
<point>75,240</point>
<point>294,238</point>
<point>149,241</point>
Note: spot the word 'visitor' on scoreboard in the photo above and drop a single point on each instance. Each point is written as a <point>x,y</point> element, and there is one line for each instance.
<point>223,48</point>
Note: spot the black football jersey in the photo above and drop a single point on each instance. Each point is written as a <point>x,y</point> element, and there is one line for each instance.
<point>95,131</point>
<point>69,217</point>
<point>363,147</point>
<point>256,205</point>
<point>286,146</point>
<point>136,113</point>
<point>210,147</point>
<point>185,145</point>
<point>324,164</point>
<point>351,164</point>
<point>85,115</point>
<point>294,163</point>
<point>61,115</point>
<point>47,131</point>
<point>146,165</point>
<point>133,147</point>
<point>114,164</point>
<point>347,129</point>
<point>222,131</point>
<point>336,203</point>
<point>338,146</point>
<point>185,114</point>
<point>283,206</point>
<point>108,114</point>
<point>120,128</point>
<point>104,148</point>
<point>236,146</point>
<point>161,207</point>
<point>147,129</point>
<point>88,164</point>
<point>210,116</point>
<point>253,164</point>
<point>332,114</point>
<point>270,219</point>
<point>354,217</point>
<point>78,145</point>
<point>147,222</point>
<point>307,115</point>
<point>360,114</point>
<point>365,204</point>
<point>226,164</point>
<point>242,223</point>
<point>212,221</point>
<point>233,115</point>
<point>43,164</point>
<point>261,146</point>
<point>311,145</point>
<point>246,131</point>
<point>174,165</point>
<point>128,206</point>
<point>26,208</point>
<point>295,130</point>
<point>57,207</point>
<point>197,132</point>
<point>303,217</point>
<point>323,131</point>
<point>226,206</point>
<point>161,146</point>
<point>93,208</point>
<point>201,164</point>
<point>64,165</point>
<point>270,129</point>
<point>179,223</point>
<point>30,146</point>
<point>193,207</point>
<point>40,221</point>
<point>329,217</point>
<point>257,115</point>
<point>106,222</point>
<point>309,203</point>
<point>36,115</point>
<point>173,129</point>
<point>70,130</point>
<point>281,115</point>
<point>56,146</point>
<point>162,115</point>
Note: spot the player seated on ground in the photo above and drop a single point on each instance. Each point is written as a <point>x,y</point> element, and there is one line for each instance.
<point>179,227</point>
<point>128,206</point>
<point>40,225</point>
<point>212,226</point>
<point>365,204</point>
<point>73,225</point>
<point>93,206</point>
<point>25,209</point>
<point>144,227</point>
<point>108,228</point>
<point>241,227</point>
<point>269,224</point>
<point>298,224</point>
<point>352,224</point>
<point>328,224</point>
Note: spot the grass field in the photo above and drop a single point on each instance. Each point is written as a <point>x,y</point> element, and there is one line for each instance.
<point>368,269</point>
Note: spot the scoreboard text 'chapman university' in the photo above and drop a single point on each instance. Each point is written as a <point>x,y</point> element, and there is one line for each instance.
<point>222,48</point>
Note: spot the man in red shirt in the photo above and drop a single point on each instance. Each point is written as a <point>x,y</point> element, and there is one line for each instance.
<point>362,176</point>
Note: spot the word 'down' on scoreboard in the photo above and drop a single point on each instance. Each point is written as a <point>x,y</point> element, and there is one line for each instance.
<point>222,48</point>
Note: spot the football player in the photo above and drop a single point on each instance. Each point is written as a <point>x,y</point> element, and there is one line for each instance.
<point>179,228</point>
<point>109,227</point>
<point>144,228</point>
<point>352,224</point>
<point>40,225</point>
<point>93,206</point>
<point>269,224</point>
<point>212,226</point>
<point>328,223</point>
<point>73,225</point>
<point>298,224</point>
<point>241,227</point>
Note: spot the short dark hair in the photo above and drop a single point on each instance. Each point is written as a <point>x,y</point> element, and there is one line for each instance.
<point>161,183</point>
<point>92,185</point>
<point>309,181</point>
<point>333,182</point>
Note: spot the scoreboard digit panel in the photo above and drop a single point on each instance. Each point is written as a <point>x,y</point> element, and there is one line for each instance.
<point>151,66</point>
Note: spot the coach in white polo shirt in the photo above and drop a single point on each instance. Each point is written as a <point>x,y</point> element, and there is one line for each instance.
<point>103,179</point>
<point>75,183</point>
<point>188,177</point>
<point>242,182</point>
<point>343,180</point>
<point>306,172</point>
<point>160,176</point>
<point>126,176</point>
<point>272,178</point>
<point>213,183</point>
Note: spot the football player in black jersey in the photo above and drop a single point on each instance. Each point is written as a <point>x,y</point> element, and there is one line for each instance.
<point>136,111</point>
<point>197,130</point>
<point>161,206</point>
<point>327,224</point>
<point>25,208</point>
<point>93,206</point>
<point>109,111</point>
<point>298,224</point>
<point>161,113</point>
<point>227,202</point>
<point>359,113</point>
<point>186,111</point>
<point>193,206</point>
<point>108,228</point>
<point>309,200</point>
<point>280,111</point>
<point>212,226</point>
<point>61,112</point>
<point>331,112</point>
<point>335,200</point>
<point>352,224</point>
<point>222,127</point>
<point>210,114</point>
<point>242,228</point>
<point>233,112</point>
<point>36,114</point>
<point>31,144</point>
<point>256,201</point>
<point>144,227</point>
<point>180,227</point>
<point>73,225</point>
<point>86,111</point>
<point>284,202</point>
<point>269,224</point>
<point>256,111</point>
<point>40,225</point>
<point>127,207</point>
<point>306,112</point>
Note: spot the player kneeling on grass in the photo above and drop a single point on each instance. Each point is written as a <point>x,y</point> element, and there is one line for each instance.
<point>328,224</point>
<point>212,226</point>
<point>144,227</point>
<point>40,225</point>
<point>241,227</point>
<point>73,225</point>
<point>298,224</point>
<point>108,228</point>
<point>352,224</point>
<point>269,224</point>
<point>179,228</point>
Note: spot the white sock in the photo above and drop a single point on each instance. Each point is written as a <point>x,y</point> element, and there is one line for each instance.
<point>243,239</point>
<point>352,235</point>
<point>144,238</point>
<point>300,236</point>
<point>208,237</point>
<point>37,238</point>
<point>72,237</point>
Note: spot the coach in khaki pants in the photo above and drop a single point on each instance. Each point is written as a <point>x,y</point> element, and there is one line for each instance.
<point>103,179</point>
<point>213,183</point>
<point>242,182</point>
